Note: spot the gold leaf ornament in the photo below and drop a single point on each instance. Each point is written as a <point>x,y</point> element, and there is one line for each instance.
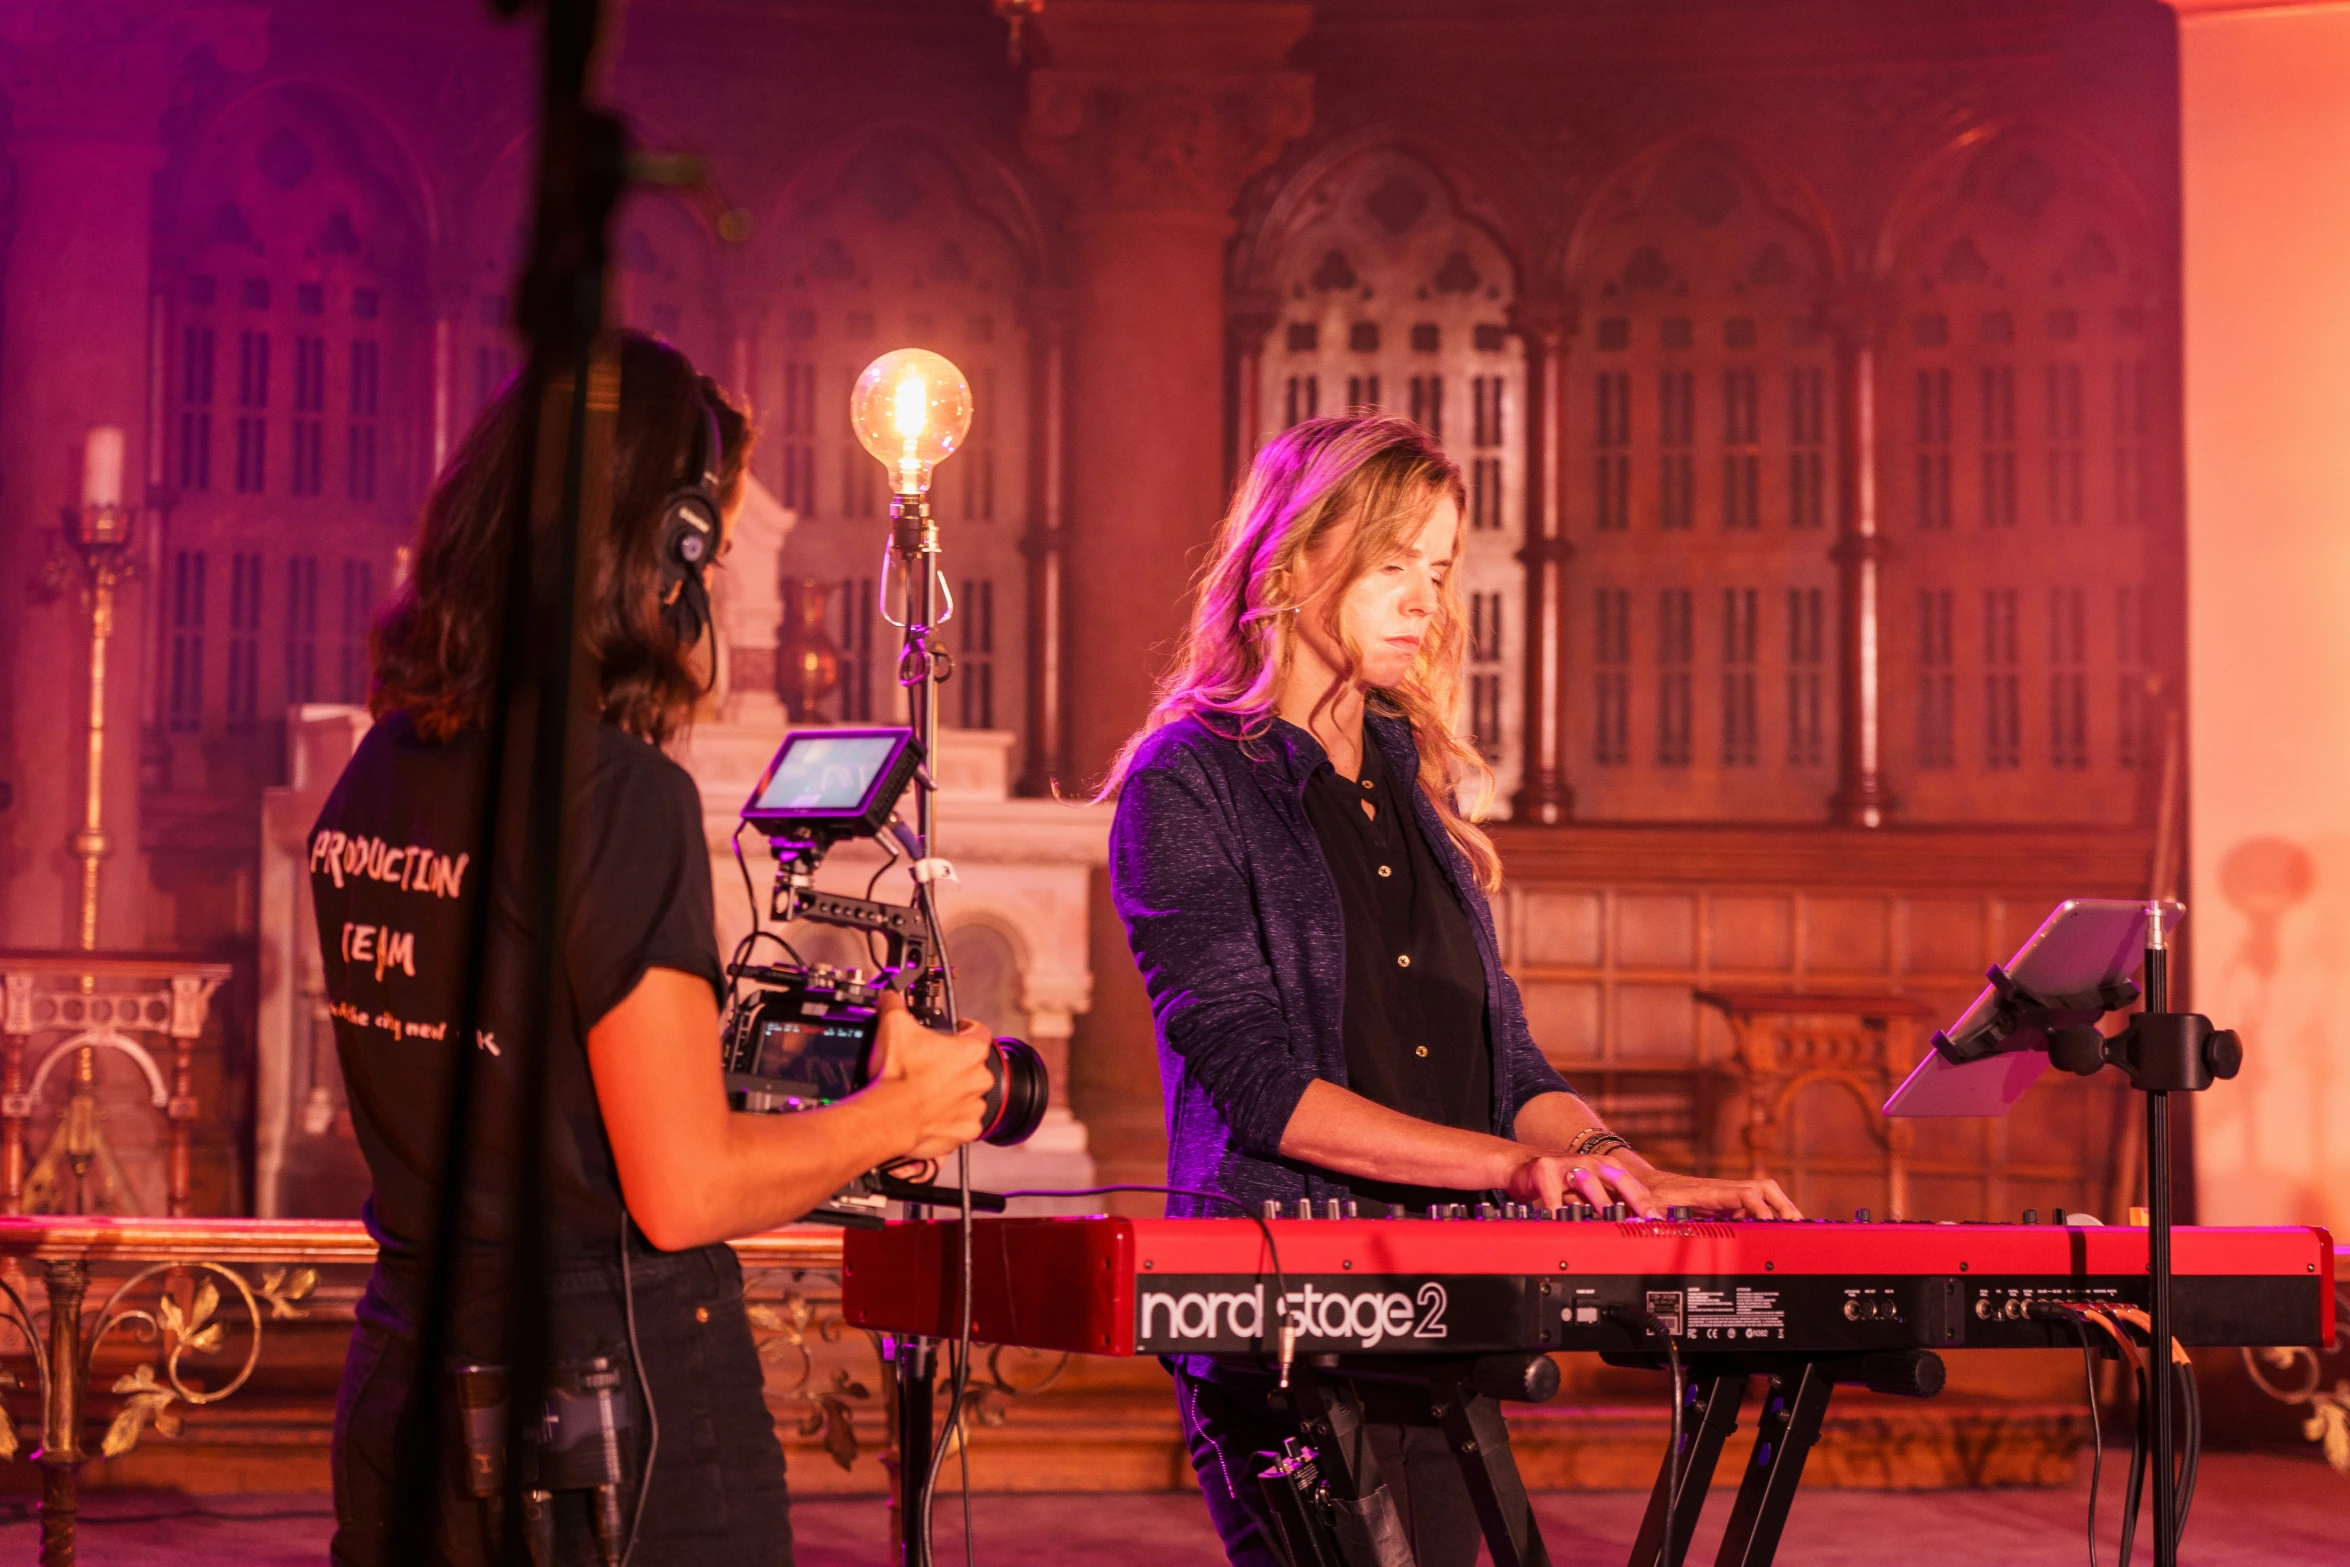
<point>8,1441</point>
<point>149,1403</point>
<point>282,1289</point>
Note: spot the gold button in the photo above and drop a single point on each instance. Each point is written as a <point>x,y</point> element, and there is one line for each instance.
<point>1419,1050</point>
<point>1403,960</point>
<point>1384,871</point>
<point>701,1313</point>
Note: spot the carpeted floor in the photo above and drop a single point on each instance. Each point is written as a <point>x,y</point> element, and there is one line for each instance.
<point>2251,1511</point>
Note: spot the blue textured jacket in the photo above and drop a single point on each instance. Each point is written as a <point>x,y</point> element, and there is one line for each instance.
<point>1235,922</point>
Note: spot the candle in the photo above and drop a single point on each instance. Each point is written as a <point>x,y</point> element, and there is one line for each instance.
<point>102,466</point>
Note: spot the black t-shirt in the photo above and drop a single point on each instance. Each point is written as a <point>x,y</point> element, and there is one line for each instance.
<point>1415,1024</point>
<point>394,871</point>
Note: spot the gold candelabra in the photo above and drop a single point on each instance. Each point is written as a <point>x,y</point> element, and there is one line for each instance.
<point>98,534</point>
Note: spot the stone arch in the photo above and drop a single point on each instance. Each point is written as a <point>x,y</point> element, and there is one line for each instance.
<point>1478,179</point>
<point>990,957</point>
<point>2024,388</point>
<point>896,237</point>
<point>293,263</point>
<point>1698,183</point>
<point>1371,281</point>
<point>1699,488</point>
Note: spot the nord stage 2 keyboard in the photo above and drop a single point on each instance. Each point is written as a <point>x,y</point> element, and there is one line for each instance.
<point>1115,1286</point>
<point>1465,1313</point>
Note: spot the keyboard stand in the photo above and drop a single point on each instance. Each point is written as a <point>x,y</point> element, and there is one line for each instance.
<point>1795,1404</point>
<point>1361,1525</point>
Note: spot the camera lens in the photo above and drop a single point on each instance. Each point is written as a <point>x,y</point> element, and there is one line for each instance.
<point>1015,1105</point>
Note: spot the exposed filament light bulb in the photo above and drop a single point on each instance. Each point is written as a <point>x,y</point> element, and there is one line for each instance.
<point>911,409</point>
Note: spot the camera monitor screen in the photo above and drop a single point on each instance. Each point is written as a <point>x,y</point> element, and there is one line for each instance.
<point>833,783</point>
<point>825,1059</point>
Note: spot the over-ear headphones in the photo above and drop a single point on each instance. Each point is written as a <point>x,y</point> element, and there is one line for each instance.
<point>689,532</point>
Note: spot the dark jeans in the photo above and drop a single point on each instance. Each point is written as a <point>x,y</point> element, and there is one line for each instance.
<point>1233,1417</point>
<point>716,1497</point>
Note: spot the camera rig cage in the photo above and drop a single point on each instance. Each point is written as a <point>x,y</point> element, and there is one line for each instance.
<point>801,1036</point>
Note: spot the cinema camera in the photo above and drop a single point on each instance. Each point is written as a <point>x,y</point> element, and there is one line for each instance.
<point>800,1037</point>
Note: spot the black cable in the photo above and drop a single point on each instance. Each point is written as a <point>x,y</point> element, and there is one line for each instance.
<point>2138,1457</point>
<point>1674,1470</point>
<point>1272,1248</point>
<point>2096,1431</point>
<point>889,846</point>
<point>2191,1450</point>
<point>644,1385</point>
<point>750,894</point>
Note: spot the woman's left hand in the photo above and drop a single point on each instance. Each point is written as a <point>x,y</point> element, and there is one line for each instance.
<point>1734,1199</point>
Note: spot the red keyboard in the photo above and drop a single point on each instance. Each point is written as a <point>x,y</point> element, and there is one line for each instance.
<point>1115,1286</point>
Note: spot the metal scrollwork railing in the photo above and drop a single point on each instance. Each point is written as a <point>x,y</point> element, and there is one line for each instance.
<point>189,1327</point>
<point>2326,1411</point>
<point>827,1411</point>
<point>825,1398</point>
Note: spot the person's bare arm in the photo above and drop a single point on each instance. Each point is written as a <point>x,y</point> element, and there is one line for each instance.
<point>1553,1121</point>
<point>1340,1130</point>
<point>693,1172</point>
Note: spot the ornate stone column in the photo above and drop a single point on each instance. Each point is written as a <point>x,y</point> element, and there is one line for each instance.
<point>1046,545</point>
<point>1149,118</point>
<point>1858,321</point>
<point>1248,321</point>
<point>1151,115</point>
<point>87,89</point>
<point>1544,795</point>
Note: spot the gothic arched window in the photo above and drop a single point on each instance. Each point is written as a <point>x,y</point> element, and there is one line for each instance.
<point>1390,297</point>
<point>2019,493</point>
<point>293,266</point>
<point>1699,495</point>
<point>892,253</point>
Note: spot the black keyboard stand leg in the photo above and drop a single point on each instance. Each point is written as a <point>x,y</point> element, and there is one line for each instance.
<point>1364,1517</point>
<point>1481,1441</point>
<point>1793,1408</point>
<point>1706,1425</point>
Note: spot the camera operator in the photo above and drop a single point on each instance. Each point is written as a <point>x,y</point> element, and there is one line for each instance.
<point>645,1172</point>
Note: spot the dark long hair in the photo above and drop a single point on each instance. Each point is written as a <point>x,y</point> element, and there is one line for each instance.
<point>435,646</point>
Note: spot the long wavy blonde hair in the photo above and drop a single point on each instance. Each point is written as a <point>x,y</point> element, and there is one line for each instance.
<point>1383,475</point>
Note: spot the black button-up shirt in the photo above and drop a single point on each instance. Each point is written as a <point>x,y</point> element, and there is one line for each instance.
<point>1415,1021</point>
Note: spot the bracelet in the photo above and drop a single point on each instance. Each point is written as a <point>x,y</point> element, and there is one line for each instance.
<point>1596,1140</point>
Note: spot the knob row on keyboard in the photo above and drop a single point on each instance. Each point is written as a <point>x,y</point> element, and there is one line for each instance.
<point>1574,1212</point>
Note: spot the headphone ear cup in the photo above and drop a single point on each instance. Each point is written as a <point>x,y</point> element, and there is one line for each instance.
<point>687,534</point>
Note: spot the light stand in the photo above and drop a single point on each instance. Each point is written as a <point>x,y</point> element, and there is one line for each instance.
<point>911,409</point>
<point>2163,1052</point>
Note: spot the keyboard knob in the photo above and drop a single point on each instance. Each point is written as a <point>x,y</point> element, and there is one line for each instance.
<point>1305,1207</point>
<point>2031,1216</point>
<point>1353,1209</point>
<point>1330,1208</point>
<point>1860,1216</point>
<point>1616,1212</point>
<point>1681,1213</point>
<point>1272,1208</point>
<point>1436,1210</point>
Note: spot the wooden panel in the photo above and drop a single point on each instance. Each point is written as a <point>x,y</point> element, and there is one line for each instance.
<point>1656,930</point>
<point>1556,926</point>
<point>1847,935</point>
<point>1914,913</point>
<point>1750,933</point>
